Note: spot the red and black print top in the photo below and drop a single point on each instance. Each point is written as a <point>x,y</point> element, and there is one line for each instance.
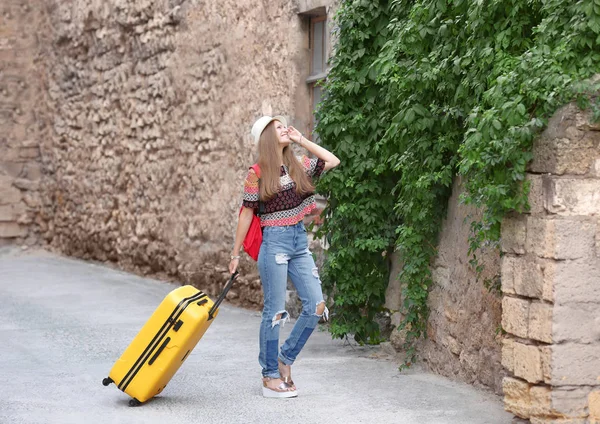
<point>287,207</point>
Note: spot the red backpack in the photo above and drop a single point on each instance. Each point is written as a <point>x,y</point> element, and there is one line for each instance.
<point>253,238</point>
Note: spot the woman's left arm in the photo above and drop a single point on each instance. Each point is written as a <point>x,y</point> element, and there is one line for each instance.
<point>331,160</point>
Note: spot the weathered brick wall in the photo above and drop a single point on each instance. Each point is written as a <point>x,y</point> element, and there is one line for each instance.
<point>152,104</point>
<point>20,163</point>
<point>551,279</point>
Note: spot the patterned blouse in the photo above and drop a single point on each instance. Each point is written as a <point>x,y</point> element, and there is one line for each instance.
<point>287,207</point>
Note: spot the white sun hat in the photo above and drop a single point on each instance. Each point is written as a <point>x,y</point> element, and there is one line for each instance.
<point>262,122</point>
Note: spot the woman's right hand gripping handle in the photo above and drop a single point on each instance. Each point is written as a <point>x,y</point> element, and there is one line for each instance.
<point>244,221</point>
<point>233,265</point>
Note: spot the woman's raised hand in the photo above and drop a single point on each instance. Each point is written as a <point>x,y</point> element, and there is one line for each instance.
<point>294,134</point>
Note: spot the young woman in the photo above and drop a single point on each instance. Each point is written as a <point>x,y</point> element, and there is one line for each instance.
<point>286,190</point>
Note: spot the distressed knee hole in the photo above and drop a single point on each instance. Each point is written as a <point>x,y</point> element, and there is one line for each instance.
<point>315,273</point>
<point>282,258</point>
<point>320,308</point>
<point>280,318</point>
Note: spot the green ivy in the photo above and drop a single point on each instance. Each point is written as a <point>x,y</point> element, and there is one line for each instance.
<point>422,91</point>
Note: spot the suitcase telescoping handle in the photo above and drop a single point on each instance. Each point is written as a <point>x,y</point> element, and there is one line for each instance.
<point>212,311</point>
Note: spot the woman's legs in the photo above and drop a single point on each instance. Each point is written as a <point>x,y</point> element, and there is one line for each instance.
<point>304,274</point>
<point>285,252</point>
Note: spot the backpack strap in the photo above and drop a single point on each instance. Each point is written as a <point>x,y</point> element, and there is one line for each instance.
<point>256,169</point>
<point>261,205</point>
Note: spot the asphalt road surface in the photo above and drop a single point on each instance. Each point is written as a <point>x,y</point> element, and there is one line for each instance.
<point>64,322</point>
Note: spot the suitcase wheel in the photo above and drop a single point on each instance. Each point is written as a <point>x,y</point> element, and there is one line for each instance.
<point>134,402</point>
<point>107,381</point>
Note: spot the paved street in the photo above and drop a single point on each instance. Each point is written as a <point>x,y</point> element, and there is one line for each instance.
<point>63,323</point>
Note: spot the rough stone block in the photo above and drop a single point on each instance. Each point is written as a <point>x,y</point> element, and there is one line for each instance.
<point>540,401</point>
<point>508,358</point>
<point>508,275</point>
<point>594,404</point>
<point>562,119</point>
<point>536,194</point>
<point>33,171</point>
<point>10,213</point>
<point>8,193</point>
<point>516,406</point>
<point>452,344</point>
<point>564,146</point>
<point>529,277</point>
<point>541,239</point>
<point>29,152</point>
<point>550,420</point>
<point>12,229</point>
<point>576,281</point>
<point>540,322</point>
<point>570,402</point>
<point>528,363</point>
<point>9,154</point>
<point>549,275</point>
<point>450,311</point>
<point>7,213</point>
<point>12,169</point>
<point>514,234</point>
<point>575,364</point>
<point>546,357</point>
<point>596,168</point>
<point>570,196</point>
<point>560,238</point>
<point>32,199</point>
<point>515,316</point>
<point>25,184</point>
<point>576,322</point>
<point>553,159</point>
<point>516,396</point>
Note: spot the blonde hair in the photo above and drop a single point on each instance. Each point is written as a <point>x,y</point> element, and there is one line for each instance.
<point>269,160</point>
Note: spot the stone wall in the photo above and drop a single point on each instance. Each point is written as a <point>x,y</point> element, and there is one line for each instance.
<point>463,332</point>
<point>151,105</point>
<point>551,279</point>
<point>463,339</point>
<point>20,166</point>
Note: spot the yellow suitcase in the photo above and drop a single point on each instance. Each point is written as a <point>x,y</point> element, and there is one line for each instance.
<point>164,342</point>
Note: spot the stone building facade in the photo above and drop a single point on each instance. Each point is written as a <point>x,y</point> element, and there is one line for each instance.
<point>139,115</point>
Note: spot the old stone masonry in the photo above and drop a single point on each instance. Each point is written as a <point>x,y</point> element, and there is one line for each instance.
<point>125,138</point>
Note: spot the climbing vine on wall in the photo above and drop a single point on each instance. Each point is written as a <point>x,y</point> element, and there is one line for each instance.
<point>418,92</point>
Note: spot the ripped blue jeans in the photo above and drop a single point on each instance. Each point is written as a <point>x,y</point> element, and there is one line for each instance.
<point>284,251</point>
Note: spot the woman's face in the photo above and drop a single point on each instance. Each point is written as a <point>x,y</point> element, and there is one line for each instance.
<point>282,134</point>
